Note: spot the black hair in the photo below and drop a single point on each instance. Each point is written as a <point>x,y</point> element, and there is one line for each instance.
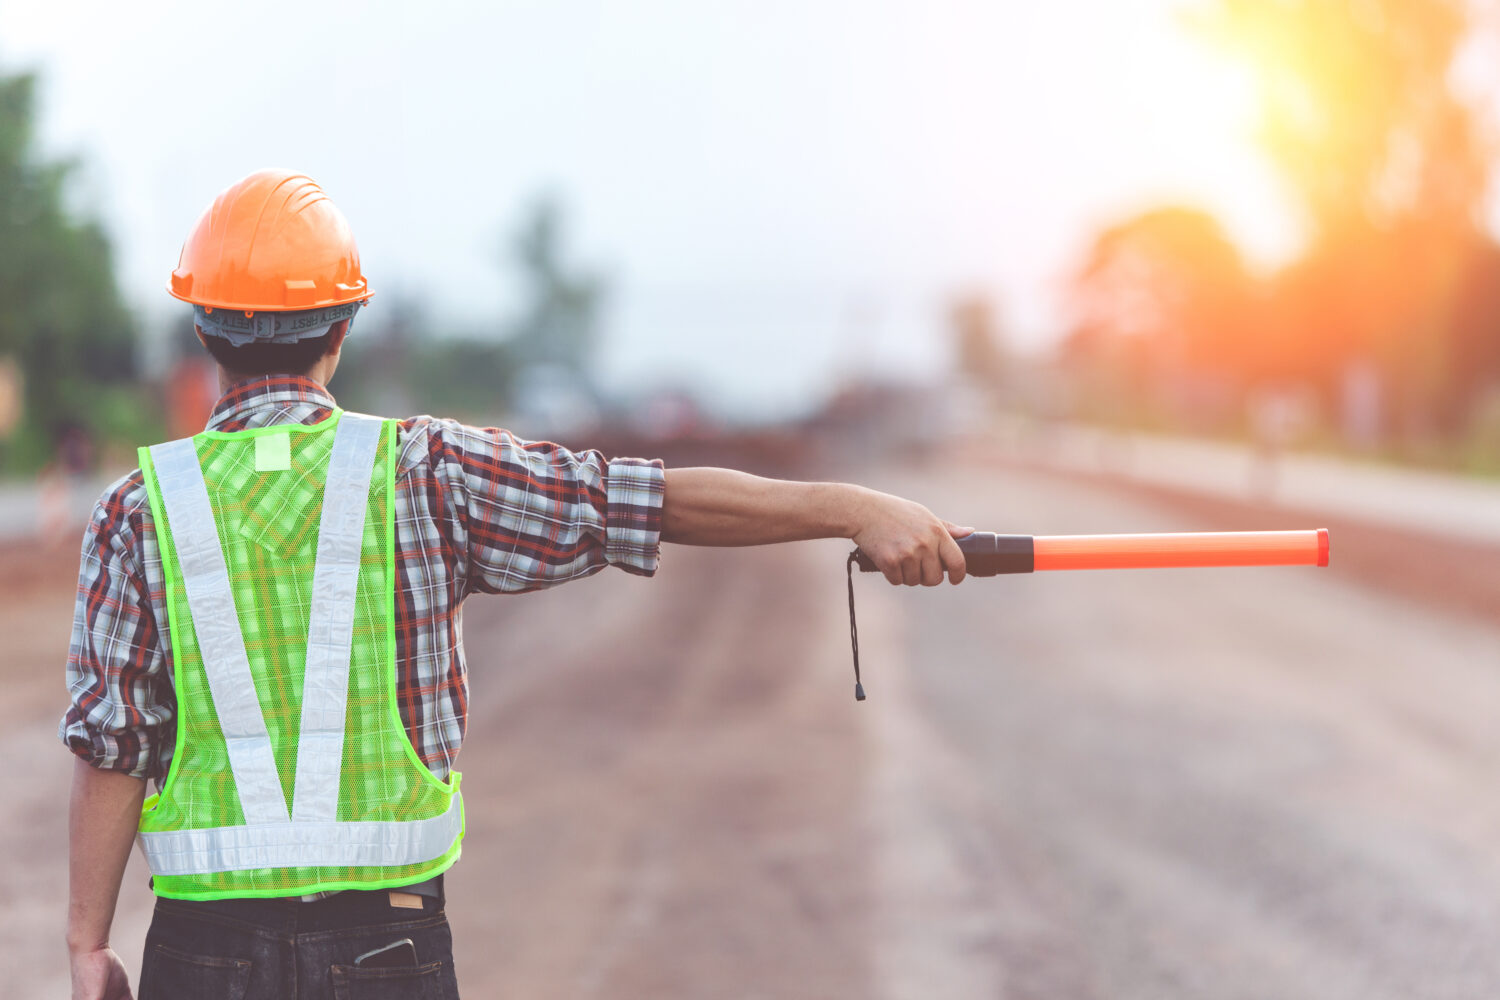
<point>269,359</point>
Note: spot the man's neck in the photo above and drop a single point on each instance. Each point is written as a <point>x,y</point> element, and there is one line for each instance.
<point>228,379</point>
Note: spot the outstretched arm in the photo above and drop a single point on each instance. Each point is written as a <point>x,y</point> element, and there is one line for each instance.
<point>909,543</point>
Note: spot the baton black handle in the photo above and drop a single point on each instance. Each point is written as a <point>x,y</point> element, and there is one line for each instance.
<point>985,554</point>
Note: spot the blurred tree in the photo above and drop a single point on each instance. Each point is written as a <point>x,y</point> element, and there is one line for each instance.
<point>1390,167</point>
<point>1475,322</point>
<point>1356,107</point>
<point>559,322</point>
<point>61,316</point>
<point>397,363</point>
<point>1170,276</point>
<point>1163,305</point>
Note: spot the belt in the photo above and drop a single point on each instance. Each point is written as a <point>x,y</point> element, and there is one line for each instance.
<point>431,888</point>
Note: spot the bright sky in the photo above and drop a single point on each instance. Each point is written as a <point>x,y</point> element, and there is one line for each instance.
<point>783,193</point>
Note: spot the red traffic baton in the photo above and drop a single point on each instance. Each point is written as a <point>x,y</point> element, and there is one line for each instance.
<point>989,554</point>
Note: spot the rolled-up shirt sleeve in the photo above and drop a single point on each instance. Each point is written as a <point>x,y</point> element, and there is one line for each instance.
<point>634,488</point>
<point>527,515</point>
<point>121,710</point>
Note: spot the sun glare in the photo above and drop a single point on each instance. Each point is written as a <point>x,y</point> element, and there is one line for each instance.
<point>1200,128</point>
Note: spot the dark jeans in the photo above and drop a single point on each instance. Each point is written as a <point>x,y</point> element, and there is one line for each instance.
<point>259,949</point>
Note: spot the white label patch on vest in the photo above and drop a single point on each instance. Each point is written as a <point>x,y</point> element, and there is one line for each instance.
<point>273,452</point>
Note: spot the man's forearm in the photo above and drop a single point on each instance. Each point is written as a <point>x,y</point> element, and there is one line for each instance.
<point>104,811</point>
<point>722,507</point>
<point>725,507</point>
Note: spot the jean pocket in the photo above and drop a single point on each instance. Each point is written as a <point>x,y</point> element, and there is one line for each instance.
<point>433,981</point>
<point>175,975</point>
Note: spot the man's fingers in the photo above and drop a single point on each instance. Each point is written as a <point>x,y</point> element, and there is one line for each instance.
<point>911,571</point>
<point>953,558</point>
<point>932,570</point>
<point>951,555</point>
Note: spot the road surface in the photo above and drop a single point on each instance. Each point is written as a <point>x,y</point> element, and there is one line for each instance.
<point>1212,784</point>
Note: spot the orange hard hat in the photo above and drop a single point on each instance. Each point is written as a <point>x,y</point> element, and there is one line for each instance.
<point>272,242</point>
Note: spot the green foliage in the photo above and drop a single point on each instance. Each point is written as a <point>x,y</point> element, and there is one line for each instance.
<point>397,362</point>
<point>398,365</point>
<point>469,378</point>
<point>61,316</point>
<point>124,415</point>
<point>559,321</point>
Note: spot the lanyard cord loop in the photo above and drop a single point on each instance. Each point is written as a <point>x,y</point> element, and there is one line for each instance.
<point>859,688</point>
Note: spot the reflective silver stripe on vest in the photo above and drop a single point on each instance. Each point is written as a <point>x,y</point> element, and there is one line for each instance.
<point>297,845</point>
<point>217,626</point>
<point>325,687</point>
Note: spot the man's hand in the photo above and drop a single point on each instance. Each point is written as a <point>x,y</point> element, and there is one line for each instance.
<point>907,542</point>
<point>98,975</point>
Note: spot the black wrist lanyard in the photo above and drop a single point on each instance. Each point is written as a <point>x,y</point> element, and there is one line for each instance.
<point>859,688</point>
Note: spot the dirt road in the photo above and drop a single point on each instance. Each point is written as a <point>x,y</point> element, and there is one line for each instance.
<point>1226,784</point>
<point>1222,784</point>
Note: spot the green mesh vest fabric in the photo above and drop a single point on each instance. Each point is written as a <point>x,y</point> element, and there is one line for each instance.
<point>265,487</point>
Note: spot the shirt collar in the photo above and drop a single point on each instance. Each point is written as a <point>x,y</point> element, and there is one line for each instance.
<point>271,399</point>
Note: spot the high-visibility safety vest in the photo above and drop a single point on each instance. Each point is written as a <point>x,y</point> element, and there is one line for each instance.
<point>292,772</point>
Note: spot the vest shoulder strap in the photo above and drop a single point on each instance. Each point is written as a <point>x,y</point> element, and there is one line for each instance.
<point>325,687</point>
<point>216,623</point>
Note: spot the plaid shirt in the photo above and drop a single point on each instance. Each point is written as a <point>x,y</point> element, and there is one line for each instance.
<point>477,511</point>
